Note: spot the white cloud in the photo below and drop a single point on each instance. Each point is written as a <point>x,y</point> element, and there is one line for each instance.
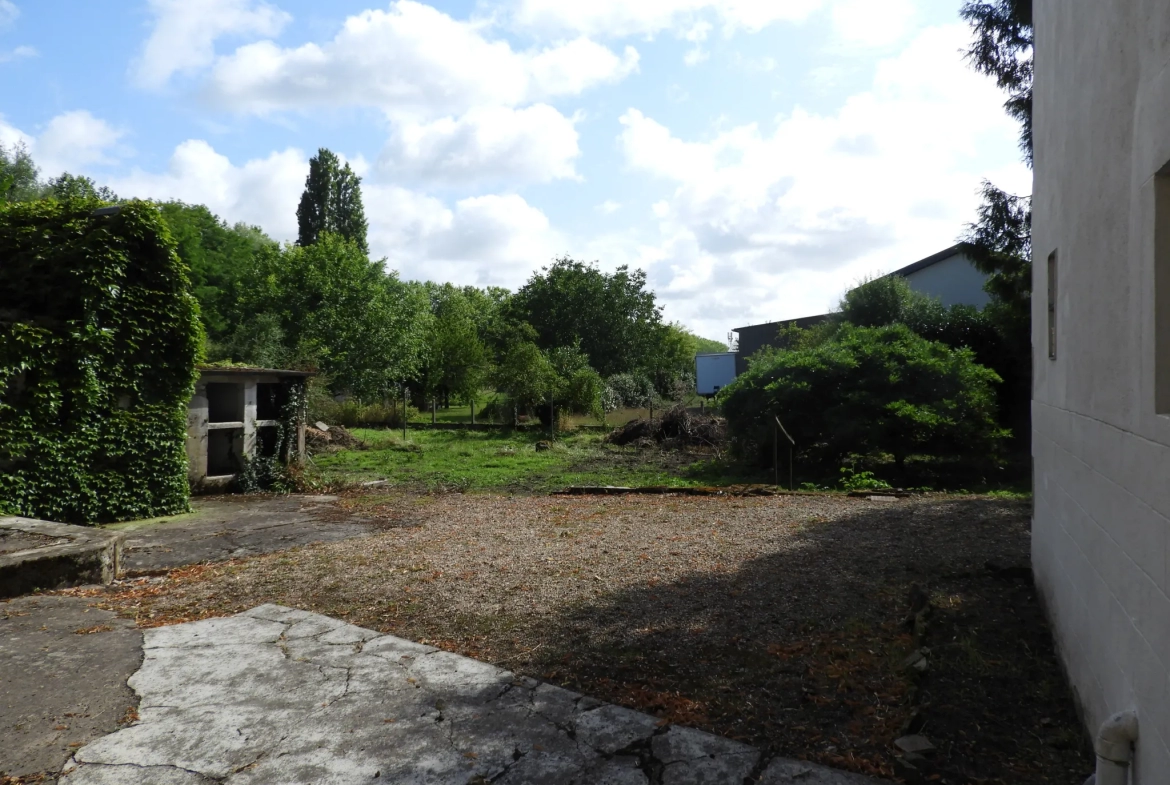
<point>411,60</point>
<point>865,23</point>
<point>491,239</point>
<point>185,32</point>
<point>75,140</point>
<point>622,18</point>
<point>776,222</point>
<point>485,240</point>
<point>263,191</point>
<point>8,13</point>
<point>72,141</point>
<point>535,144</point>
<point>608,207</point>
<point>19,53</point>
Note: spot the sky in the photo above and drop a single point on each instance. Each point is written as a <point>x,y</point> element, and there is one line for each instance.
<point>756,158</point>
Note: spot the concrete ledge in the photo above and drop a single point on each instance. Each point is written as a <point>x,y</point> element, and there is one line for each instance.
<point>42,555</point>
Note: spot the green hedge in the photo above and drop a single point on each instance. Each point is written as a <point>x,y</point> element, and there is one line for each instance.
<point>99,337</point>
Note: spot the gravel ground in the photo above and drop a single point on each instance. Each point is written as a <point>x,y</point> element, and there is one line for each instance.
<point>778,621</point>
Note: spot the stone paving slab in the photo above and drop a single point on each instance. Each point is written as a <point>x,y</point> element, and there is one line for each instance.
<point>63,672</point>
<point>44,555</point>
<point>277,695</point>
<point>233,527</point>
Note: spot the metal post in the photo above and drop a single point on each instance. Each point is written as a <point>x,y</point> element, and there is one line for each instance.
<point>775,455</point>
<point>473,411</point>
<point>434,403</point>
<point>791,484</point>
<point>404,412</point>
<point>552,417</point>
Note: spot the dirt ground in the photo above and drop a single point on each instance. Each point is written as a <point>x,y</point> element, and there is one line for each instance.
<point>778,621</point>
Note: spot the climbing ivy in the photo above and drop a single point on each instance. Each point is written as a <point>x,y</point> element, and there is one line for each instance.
<point>99,337</point>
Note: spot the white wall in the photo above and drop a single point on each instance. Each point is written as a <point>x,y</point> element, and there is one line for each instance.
<point>713,372</point>
<point>1102,501</point>
<point>955,281</point>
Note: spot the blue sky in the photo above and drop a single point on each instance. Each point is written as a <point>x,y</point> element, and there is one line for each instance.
<point>755,157</point>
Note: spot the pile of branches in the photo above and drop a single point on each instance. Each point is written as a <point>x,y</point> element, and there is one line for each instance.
<point>676,428</point>
<point>332,440</point>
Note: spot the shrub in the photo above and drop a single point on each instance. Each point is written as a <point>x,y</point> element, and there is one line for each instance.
<point>629,391</point>
<point>868,392</point>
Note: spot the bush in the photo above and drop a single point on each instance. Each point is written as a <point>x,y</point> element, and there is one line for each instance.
<point>628,391</point>
<point>869,392</point>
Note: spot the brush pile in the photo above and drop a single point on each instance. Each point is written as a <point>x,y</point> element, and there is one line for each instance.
<point>335,438</point>
<point>677,428</point>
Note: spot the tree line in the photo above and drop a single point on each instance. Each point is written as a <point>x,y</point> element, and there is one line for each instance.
<point>587,339</point>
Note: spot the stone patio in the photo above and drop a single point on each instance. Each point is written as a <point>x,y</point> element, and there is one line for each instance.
<point>276,695</point>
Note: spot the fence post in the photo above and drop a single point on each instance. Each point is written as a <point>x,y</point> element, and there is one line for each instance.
<point>473,411</point>
<point>404,402</point>
<point>434,403</point>
<point>776,455</point>
<point>552,417</point>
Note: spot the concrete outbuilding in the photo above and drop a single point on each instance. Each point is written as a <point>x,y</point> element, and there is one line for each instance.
<point>242,413</point>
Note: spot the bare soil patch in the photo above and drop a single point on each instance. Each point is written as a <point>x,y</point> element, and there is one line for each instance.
<point>778,621</point>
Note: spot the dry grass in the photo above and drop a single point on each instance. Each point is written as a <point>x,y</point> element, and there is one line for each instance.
<point>772,620</point>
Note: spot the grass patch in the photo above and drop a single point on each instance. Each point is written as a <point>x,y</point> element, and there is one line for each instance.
<point>500,460</point>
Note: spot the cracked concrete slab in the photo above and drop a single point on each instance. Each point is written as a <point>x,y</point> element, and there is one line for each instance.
<point>232,527</point>
<point>276,695</point>
<point>63,672</point>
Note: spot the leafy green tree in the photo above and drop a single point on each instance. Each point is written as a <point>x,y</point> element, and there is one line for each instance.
<point>708,346</point>
<point>999,241</point>
<point>456,358</point>
<point>18,174</point>
<point>331,202</point>
<point>70,186</point>
<point>334,309</point>
<point>218,257</point>
<point>612,317</point>
<point>867,392</point>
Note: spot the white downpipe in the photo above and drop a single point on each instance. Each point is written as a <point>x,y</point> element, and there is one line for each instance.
<point>1114,748</point>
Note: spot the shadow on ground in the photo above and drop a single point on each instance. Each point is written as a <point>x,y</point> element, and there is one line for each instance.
<point>775,655</point>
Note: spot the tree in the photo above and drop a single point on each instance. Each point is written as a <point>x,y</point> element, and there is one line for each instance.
<point>1003,49</point>
<point>331,202</point>
<point>708,346</point>
<point>999,241</point>
<point>456,359</point>
<point>70,186</point>
<point>612,317</point>
<point>868,392</point>
<point>18,174</point>
<point>335,310</point>
<point>218,257</point>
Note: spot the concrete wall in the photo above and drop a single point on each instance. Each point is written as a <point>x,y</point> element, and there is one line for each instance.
<point>955,281</point>
<point>1102,449</point>
<point>204,437</point>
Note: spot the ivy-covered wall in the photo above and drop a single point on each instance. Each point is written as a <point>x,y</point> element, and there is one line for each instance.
<point>99,337</point>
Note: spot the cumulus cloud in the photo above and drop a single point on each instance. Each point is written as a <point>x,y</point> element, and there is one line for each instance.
<point>621,18</point>
<point>495,239</point>
<point>819,198</point>
<point>72,141</point>
<point>410,60</point>
<point>535,144</point>
<point>185,31</point>
<point>76,140</point>
<point>490,239</point>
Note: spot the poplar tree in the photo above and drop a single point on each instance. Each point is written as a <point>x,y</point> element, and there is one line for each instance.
<point>332,202</point>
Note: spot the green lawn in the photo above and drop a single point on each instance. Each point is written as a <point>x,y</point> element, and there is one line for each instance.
<point>494,460</point>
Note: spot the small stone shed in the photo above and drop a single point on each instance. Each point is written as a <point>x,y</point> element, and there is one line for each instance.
<point>239,413</point>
